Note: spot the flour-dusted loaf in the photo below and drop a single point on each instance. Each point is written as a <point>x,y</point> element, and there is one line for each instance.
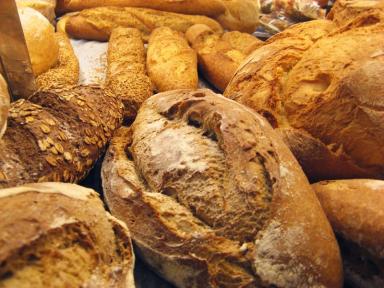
<point>57,135</point>
<point>355,209</point>
<point>171,63</point>
<point>59,235</point>
<point>4,105</point>
<point>213,198</point>
<point>127,76</point>
<point>66,71</point>
<point>98,23</point>
<point>219,54</point>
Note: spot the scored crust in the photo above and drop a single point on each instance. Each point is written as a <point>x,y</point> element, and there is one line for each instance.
<point>225,207</point>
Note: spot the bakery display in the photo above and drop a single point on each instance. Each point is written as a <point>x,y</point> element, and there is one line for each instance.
<point>355,210</point>
<point>188,148</point>
<point>171,63</point>
<point>40,37</point>
<point>59,235</point>
<point>220,54</point>
<point>4,105</point>
<point>57,135</point>
<point>127,76</point>
<point>98,23</point>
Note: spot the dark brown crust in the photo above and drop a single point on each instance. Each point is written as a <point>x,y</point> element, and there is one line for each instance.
<point>288,247</point>
<point>57,135</point>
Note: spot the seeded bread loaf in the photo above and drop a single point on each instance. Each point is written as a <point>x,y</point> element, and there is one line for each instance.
<point>171,63</point>
<point>126,72</point>
<point>4,105</point>
<point>220,54</point>
<point>355,209</point>
<point>98,23</point>
<point>213,198</point>
<point>57,135</point>
<point>66,71</point>
<point>59,235</point>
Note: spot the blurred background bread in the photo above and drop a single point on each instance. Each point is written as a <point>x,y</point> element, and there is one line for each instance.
<point>171,63</point>
<point>45,7</point>
<point>213,181</point>
<point>355,209</point>
<point>40,37</point>
<point>4,105</point>
<point>59,235</point>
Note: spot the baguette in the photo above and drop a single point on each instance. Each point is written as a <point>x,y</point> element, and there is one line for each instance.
<point>213,198</point>
<point>171,63</point>
<point>355,209</point>
<point>126,73</point>
<point>59,235</point>
<point>195,7</point>
<point>98,23</point>
<point>66,71</point>
<point>4,105</point>
<point>57,135</point>
<point>220,55</point>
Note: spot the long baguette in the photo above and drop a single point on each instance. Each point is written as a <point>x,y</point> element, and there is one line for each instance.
<point>171,63</point>
<point>126,73</point>
<point>98,23</point>
<point>194,7</point>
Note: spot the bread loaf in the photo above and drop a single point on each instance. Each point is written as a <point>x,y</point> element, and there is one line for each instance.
<point>355,210</point>
<point>213,198</point>
<point>126,72</point>
<point>220,54</point>
<point>59,235</point>
<point>57,135</point>
<point>40,39</point>
<point>171,63</point>
<point>335,97</point>
<point>194,7</point>
<point>4,105</point>
<point>344,11</point>
<point>45,7</point>
<point>66,71</point>
<point>98,23</point>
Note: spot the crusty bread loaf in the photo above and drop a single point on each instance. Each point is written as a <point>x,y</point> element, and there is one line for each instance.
<point>336,97</point>
<point>98,23</point>
<point>59,235</point>
<point>194,7</point>
<point>355,209</point>
<point>40,39</point>
<point>344,11</point>
<point>126,72</point>
<point>66,71</point>
<point>171,63</point>
<point>45,7</point>
<point>4,105</point>
<point>213,198</point>
<point>240,15</point>
<point>220,54</point>
<point>57,135</point>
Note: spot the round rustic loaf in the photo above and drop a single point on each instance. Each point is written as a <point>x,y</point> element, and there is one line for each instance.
<point>59,235</point>
<point>355,209</point>
<point>40,37</point>
<point>4,105</point>
<point>213,197</point>
<point>45,7</point>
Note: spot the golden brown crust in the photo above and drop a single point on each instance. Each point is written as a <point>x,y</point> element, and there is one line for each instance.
<point>57,135</point>
<point>355,210</point>
<point>66,71</point>
<point>57,234</point>
<point>194,7</point>
<point>229,201</point>
<point>171,63</point>
<point>126,72</point>
<point>4,105</point>
<point>98,23</point>
<point>220,55</point>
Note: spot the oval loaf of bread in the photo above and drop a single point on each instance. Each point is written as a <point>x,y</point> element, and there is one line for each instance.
<point>213,198</point>
<point>59,235</point>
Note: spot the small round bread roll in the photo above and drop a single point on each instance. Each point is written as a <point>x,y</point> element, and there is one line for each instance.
<point>4,105</point>
<point>40,37</point>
